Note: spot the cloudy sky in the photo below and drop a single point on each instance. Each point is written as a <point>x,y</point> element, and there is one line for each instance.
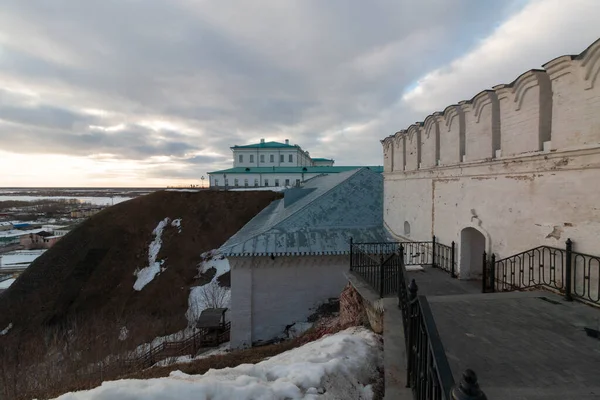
<point>154,92</point>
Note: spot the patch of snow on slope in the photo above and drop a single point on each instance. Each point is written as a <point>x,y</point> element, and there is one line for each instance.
<point>339,365</point>
<point>223,349</point>
<point>6,284</point>
<point>210,295</point>
<point>147,274</point>
<point>177,224</point>
<point>124,333</point>
<point>5,331</point>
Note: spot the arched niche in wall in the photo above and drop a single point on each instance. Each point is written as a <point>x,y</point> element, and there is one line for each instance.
<point>525,113</point>
<point>430,141</point>
<point>482,126</point>
<point>399,150</point>
<point>413,146</point>
<point>452,132</point>
<point>576,94</point>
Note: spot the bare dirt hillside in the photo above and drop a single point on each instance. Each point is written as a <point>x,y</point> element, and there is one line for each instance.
<point>80,293</point>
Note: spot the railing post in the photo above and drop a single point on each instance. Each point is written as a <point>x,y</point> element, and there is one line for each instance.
<point>452,271</point>
<point>568,270</point>
<point>381,277</point>
<point>400,274</point>
<point>350,253</point>
<point>467,388</point>
<point>484,273</point>
<point>493,273</point>
<point>412,298</point>
<point>433,264</point>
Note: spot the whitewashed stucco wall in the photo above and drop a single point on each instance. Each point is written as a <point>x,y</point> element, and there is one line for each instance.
<point>267,295</point>
<point>539,189</point>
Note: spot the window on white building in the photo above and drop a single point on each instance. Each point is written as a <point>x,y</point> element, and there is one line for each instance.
<point>276,182</point>
<point>272,158</point>
<point>287,182</point>
<point>241,158</point>
<point>251,158</point>
<point>297,182</point>
<point>226,181</point>
<point>262,158</point>
<point>256,182</point>
<point>216,182</point>
<point>266,182</point>
<point>236,182</point>
<point>291,158</point>
<point>245,182</point>
<point>281,158</point>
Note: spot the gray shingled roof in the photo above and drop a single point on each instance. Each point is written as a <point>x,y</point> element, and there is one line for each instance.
<point>318,219</point>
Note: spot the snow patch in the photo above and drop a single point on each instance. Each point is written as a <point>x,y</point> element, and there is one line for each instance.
<point>5,331</point>
<point>177,224</point>
<point>147,274</point>
<point>123,334</point>
<point>210,295</point>
<point>6,283</point>
<point>337,365</point>
<point>223,349</point>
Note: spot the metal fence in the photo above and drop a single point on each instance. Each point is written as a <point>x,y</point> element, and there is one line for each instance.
<point>377,263</point>
<point>574,274</point>
<point>428,371</point>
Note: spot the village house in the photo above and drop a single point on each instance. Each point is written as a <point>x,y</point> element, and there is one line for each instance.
<point>292,256</point>
<point>509,170</point>
<point>273,164</point>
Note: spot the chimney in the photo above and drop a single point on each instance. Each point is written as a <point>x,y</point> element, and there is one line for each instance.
<point>287,141</point>
<point>262,140</point>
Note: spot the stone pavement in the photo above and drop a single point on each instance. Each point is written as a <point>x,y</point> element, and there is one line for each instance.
<point>522,345</point>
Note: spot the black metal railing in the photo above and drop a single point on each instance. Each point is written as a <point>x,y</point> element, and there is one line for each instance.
<point>431,253</point>
<point>378,263</point>
<point>574,274</point>
<point>428,371</point>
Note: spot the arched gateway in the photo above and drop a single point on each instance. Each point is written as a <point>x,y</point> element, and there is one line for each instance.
<point>472,246</point>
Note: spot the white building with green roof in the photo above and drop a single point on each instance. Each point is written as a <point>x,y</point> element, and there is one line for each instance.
<point>273,164</point>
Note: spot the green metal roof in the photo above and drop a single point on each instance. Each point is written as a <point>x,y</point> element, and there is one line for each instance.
<point>266,145</point>
<point>321,159</point>
<point>293,170</point>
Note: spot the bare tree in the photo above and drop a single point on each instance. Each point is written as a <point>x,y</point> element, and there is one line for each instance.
<point>214,296</point>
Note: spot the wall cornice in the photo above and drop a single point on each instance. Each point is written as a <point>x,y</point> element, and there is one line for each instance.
<point>529,163</point>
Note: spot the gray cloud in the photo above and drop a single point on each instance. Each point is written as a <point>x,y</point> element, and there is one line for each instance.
<point>221,73</point>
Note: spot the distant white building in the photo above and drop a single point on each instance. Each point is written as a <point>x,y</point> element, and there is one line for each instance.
<point>273,164</point>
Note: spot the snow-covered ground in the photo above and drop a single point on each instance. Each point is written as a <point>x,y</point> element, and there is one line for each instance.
<point>6,284</point>
<point>5,330</point>
<point>338,366</point>
<point>210,295</point>
<point>222,349</point>
<point>19,257</point>
<point>147,274</point>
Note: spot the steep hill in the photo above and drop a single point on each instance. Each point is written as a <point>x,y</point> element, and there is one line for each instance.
<point>81,291</point>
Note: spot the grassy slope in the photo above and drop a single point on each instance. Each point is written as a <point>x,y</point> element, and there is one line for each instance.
<point>85,282</point>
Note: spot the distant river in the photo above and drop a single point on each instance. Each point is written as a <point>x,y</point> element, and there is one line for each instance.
<point>101,201</point>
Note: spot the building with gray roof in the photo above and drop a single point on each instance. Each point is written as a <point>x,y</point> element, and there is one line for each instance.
<point>292,256</point>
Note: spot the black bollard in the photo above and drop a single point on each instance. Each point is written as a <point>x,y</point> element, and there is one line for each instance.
<point>468,388</point>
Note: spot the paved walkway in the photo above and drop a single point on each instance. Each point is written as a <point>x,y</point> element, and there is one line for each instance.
<point>522,345</point>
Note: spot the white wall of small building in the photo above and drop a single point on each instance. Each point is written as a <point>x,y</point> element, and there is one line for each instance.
<point>267,295</point>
